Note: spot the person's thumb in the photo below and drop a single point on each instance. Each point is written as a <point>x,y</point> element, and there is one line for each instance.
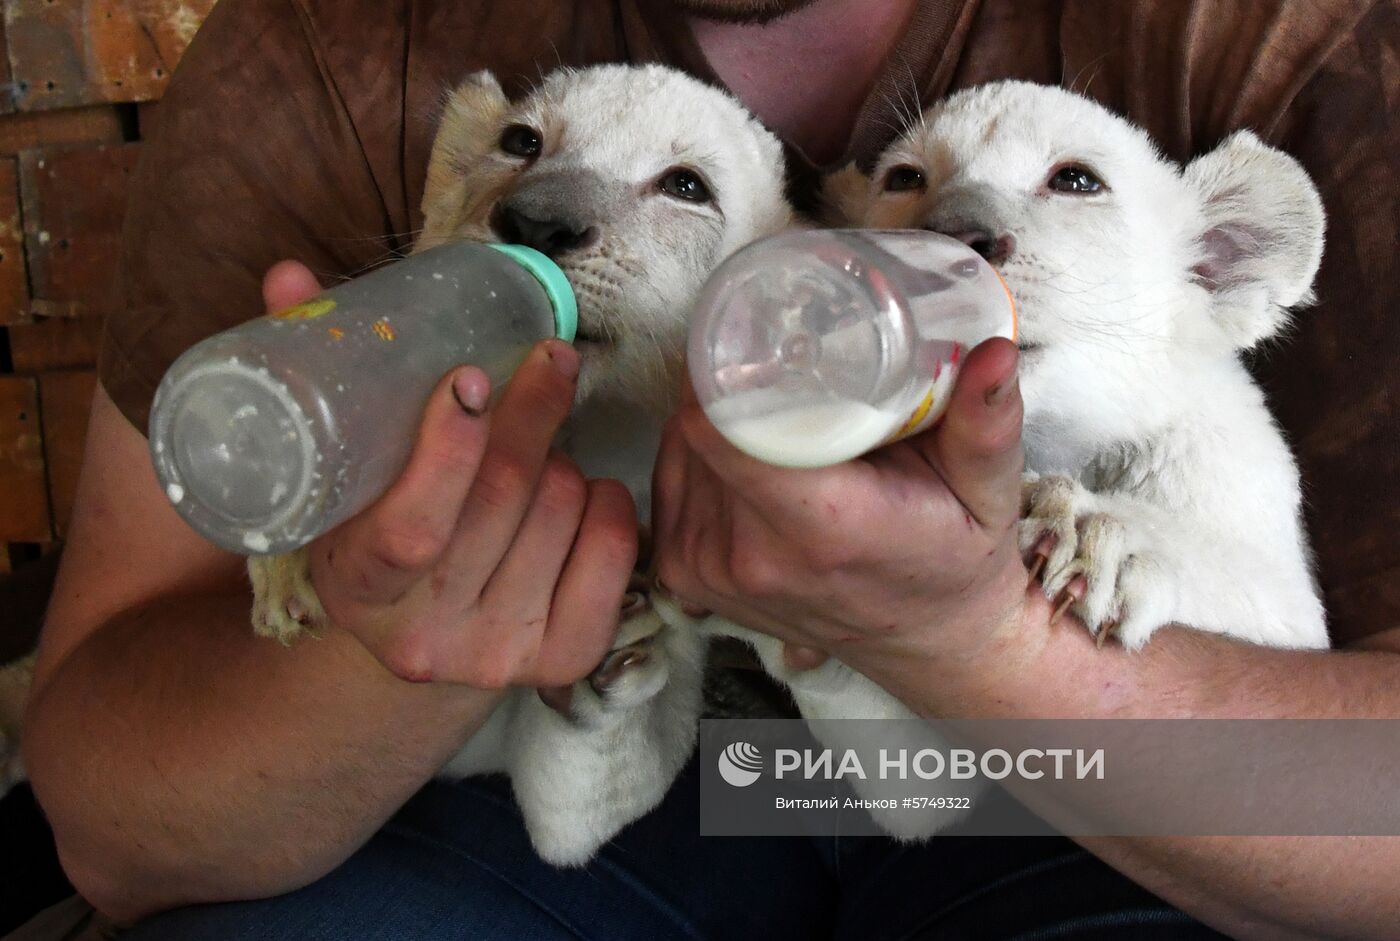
<point>977,445</point>
<point>287,283</point>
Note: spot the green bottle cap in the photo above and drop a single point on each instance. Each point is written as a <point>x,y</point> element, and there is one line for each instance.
<point>556,286</point>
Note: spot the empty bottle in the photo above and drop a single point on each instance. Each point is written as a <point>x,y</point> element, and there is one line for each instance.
<point>268,434</point>
<point>811,348</point>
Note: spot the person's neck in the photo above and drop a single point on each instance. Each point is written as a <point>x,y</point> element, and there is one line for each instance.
<point>807,74</point>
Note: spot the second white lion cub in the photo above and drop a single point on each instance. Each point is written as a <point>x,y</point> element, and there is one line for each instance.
<point>1156,472</point>
<point>1159,487</point>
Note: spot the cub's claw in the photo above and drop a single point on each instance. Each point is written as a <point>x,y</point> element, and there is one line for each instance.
<point>634,603</point>
<point>632,672</point>
<point>1071,594</point>
<point>558,698</point>
<point>618,661</point>
<point>1040,558</point>
<point>658,589</point>
<point>1108,629</point>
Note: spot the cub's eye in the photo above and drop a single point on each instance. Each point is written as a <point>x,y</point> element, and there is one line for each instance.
<point>1072,178</point>
<point>520,140</point>
<point>904,179</point>
<point>685,184</point>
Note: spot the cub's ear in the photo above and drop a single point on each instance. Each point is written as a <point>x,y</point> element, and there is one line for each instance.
<point>468,130</point>
<point>1261,241</point>
<point>845,196</point>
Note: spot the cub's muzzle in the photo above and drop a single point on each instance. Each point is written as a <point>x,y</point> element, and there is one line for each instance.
<point>559,211</point>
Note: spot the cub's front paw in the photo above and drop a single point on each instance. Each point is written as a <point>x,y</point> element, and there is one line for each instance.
<point>1091,558</point>
<point>285,603</point>
<point>631,674</point>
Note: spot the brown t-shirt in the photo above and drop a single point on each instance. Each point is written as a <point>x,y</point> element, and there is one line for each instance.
<point>301,128</point>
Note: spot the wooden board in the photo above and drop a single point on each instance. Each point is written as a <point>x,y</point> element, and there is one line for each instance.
<point>146,113</point>
<point>7,98</point>
<point>45,46</point>
<point>14,284</point>
<point>136,44</point>
<point>64,400</point>
<point>96,124</point>
<point>24,505</point>
<point>51,343</point>
<point>73,202</point>
<point>64,53</point>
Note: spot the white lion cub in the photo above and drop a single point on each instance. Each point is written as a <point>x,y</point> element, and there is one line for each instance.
<point>638,181</point>
<point>1156,473</point>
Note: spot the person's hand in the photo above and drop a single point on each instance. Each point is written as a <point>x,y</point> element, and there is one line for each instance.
<point>909,552</point>
<point>491,561</point>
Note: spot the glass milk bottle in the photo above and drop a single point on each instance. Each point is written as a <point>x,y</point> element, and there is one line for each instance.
<point>268,434</point>
<point>810,348</point>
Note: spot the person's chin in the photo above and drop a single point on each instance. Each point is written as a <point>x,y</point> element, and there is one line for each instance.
<point>753,12</point>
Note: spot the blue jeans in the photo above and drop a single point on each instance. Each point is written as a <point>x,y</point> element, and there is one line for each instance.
<point>455,862</point>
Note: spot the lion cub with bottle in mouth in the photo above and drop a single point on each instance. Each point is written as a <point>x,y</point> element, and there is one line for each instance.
<point>1157,475</point>
<point>638,182</point>
<point>1159,489</point>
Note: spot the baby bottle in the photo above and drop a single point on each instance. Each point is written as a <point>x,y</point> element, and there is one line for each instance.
<point>811,348</point>
<point>268,434</point>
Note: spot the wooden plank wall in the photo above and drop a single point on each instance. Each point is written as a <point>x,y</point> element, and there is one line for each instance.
<point>78,79</point>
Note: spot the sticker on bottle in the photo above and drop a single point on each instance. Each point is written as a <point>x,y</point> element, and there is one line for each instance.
<point>944,356</point>
<point>310,310</point>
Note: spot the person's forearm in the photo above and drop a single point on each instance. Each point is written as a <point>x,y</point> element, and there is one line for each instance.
<point>1180,673</point>
<point>1267,887</point>
<point>1250,887</point>
<point>182,759</point>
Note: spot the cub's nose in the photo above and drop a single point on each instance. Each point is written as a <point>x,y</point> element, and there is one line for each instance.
<point>553,237</point>
<point>994,248</point>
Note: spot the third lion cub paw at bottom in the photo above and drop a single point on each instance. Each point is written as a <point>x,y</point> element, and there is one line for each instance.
<point>285,603</point>
<point>632,672</point>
